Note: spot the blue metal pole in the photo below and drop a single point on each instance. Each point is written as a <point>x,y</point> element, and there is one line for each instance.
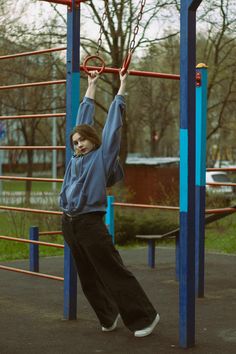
<point>177,257</point>
<point>34,249</point>
<point>110,216</point>
<point>151,253</point>
<point>72,104</point>
<point>187,173</point>
<point>200,193</point>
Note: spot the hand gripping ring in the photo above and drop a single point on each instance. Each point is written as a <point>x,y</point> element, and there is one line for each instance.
<point>126,63</point>
<point>90,58</point>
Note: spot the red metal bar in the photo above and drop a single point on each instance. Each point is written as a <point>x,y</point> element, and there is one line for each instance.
<point>60,2</point>
<point>34,116</point>
<point>135,72</point>
<point>41,275</point>
<point>65,2</point>
<point>220,211</point>
<point>29,210</point>
<point>146,206</point>
<point>36,52</point>
<point>106,70</point>
<point>43,233</point>
<point>32,147</point>
<point>36,179</point>
<point>218,184</point>
<point>222,169</point>
<point>31,84</point>
<point>24,240</point>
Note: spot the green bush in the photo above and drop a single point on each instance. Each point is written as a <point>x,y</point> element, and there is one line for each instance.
<point>132,222</point>
<point>217,200</point>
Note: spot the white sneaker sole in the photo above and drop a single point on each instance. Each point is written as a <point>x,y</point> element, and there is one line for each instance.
<point>113,327</point>
<point>148,330</point>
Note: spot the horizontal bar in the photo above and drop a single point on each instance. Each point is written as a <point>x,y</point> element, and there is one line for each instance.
<point>34,179</point>
<point>222,169</point>
<point>36,52</point>
<point>106,70</point>
<point>31,84</point>
<point>32,147</point>
<point>218,184</point>
<point>207,211</point>
<point>24,240</point>
<point>146,206</point>
<point>29,210</point>
<point>43,233</point>
<point>219,211</point>
<point>135,72</point>
<point>34,116</point>
<point>60,2</point>
<point>65,2</point>
<point>36,274</point>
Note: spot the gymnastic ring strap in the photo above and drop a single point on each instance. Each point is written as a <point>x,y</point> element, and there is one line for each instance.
<point>126,63</point>
<point>91,57</point>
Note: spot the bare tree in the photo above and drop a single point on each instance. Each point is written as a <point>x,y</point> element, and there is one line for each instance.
<point>155,113</point>
<point>218,49</point>
<point>118,32</point>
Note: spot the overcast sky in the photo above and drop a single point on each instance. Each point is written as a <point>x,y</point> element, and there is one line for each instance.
<point>40,11</point>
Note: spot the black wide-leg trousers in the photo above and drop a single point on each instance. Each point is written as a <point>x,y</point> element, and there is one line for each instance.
<point>107,284</point>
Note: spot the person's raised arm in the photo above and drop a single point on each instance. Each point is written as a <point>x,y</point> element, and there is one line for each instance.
<point>86,108</point>
<point>92,84</point>
<point>123,80</point>
<point>111,135</point>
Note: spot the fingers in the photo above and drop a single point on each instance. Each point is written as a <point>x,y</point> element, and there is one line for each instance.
<point>93,76</point>
<point>94,73</point>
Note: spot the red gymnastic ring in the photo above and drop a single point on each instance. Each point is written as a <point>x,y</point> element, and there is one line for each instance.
<point>126,63</point>
<point>90,58</point>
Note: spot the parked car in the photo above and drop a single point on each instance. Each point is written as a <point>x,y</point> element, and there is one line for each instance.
<point>219,177</point>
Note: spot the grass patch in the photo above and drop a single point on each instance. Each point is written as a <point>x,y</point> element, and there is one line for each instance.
<point>220,236</point>
<point>17,224</point>
<point>20,186</point>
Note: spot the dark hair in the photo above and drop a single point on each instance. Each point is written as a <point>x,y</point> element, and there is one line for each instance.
<point>87,132</point>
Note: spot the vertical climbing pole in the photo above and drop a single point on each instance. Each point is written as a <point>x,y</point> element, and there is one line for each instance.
<point>201,124</point>
<point>110,216</point>
<point>187,173</point>
<point>72,103</point>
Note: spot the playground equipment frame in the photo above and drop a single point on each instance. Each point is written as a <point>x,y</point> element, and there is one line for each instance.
<point>192,195</point>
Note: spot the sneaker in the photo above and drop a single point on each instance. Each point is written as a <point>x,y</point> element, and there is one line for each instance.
<point>113,327</point>
<point>148,330</point>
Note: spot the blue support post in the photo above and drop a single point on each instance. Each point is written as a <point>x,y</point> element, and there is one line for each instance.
<point>34,249</point>
<point>110,216</point>
<point>187,173</point>
<point>151,253</point>
<point>200,194</point>
<point>72,104</point>
<point>177,258</point>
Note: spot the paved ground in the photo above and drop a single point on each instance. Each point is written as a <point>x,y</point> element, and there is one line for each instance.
<point>31,311</point>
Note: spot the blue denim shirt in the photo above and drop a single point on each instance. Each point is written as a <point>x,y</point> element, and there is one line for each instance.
<point>87,176</point>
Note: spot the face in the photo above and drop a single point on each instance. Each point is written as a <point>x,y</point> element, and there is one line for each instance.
<point>81,146</point>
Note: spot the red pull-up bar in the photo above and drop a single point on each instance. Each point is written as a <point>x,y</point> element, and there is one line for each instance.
<point>133,72</point>
<point>65,2</point>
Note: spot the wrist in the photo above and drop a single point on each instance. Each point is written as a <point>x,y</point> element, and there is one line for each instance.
<point>92,84</point>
